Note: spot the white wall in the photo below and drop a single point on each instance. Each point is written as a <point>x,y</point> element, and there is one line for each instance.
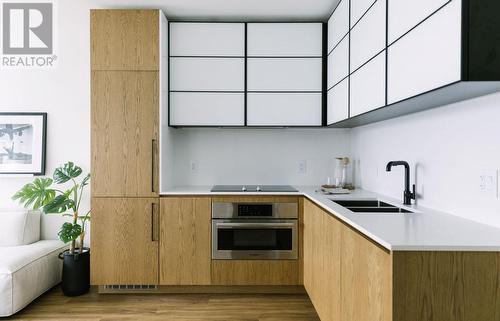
<point>447,147</point>
<point>257,156</point>
<point>63,92</point>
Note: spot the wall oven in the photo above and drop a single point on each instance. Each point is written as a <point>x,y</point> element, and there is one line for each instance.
<point>254,231</point>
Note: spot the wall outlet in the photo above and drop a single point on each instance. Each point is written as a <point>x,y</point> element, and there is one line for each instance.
<point>193,166</point>
<point>488,183</point>
<point>302,169</point>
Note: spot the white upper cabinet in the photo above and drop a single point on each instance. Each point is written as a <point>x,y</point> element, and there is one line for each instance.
<point>286,74</point>
<point>207,109</point>
<point>284,109</point>
<point>428,57</point>
<point>404,15</point>
<point>367,89</point>
<point>284,39</point>
<point>368,36</point>
<point>359,8</point>
<point>207,74</point>
<point>207,39</point>
<point>338,24</point>
<point>338,63</point>
<point>280,67</point>
<point>338,102</point>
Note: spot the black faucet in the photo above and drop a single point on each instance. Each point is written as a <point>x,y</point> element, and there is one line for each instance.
<point>408,195</point>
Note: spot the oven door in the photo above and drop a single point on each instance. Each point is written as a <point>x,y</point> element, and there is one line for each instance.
<point>254,239</point>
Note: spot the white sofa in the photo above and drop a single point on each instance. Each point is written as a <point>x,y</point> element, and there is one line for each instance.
<point>29,265</point>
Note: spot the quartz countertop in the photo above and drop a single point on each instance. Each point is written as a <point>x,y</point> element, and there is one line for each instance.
<point>424,230</point>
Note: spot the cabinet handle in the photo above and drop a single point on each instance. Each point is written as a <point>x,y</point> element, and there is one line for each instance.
<point>154,223</point>
<point>153,163</point>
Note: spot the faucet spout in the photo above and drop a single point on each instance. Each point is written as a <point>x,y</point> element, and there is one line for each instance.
<point>407,195</point>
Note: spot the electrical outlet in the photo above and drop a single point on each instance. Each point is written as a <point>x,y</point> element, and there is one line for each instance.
<point>302,169</point>
<point>193,166</point>
<point>488,183</point>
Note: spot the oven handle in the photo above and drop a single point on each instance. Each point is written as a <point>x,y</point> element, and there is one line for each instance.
<point>254,225</point>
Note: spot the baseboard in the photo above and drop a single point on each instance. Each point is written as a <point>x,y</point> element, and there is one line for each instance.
<point>244,289</point>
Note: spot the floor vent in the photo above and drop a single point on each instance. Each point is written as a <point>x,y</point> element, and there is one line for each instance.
<point>129,287</point>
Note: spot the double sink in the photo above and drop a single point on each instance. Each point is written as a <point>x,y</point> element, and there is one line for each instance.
<point>370,206</point>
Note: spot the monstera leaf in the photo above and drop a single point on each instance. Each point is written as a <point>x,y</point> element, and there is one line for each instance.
<point>66,172</point>
<point>85,181</point>
<point>60,204</point>
<point>36,194</point>
<point>69,232</point>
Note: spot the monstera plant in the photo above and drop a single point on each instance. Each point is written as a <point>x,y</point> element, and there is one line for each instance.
<point>42,195</point>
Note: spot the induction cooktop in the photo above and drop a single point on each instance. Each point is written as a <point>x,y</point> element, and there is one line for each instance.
<point>254,188</point>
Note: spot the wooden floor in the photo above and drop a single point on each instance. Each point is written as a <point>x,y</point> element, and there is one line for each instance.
<point>193,307</point>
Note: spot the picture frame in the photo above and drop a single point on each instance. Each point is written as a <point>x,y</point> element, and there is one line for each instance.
<point>23,142</point>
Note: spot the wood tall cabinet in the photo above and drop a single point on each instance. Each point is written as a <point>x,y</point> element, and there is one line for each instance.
<point>124,134</point>
<point>125,95</point>
<point>125,241</point>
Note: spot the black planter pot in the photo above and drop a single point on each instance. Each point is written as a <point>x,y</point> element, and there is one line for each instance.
<point>76,272</point>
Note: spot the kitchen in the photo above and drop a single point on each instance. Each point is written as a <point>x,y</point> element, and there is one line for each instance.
<point>214,146</point>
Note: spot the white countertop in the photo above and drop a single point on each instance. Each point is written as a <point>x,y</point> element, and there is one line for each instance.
<point>426,230</point>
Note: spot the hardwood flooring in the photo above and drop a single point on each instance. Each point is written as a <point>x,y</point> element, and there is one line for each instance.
<point>180,307</point>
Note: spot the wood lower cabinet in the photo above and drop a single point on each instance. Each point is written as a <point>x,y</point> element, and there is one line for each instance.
<point>124,241</point>
<point>185,243</point>
<point>446,286</point>
<point>124,134</point>
<point>322,261</point>
<point>366,278</point>
<point>349,277</point>
<point>255,272</point>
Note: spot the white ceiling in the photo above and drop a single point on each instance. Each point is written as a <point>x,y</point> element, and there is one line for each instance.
<point>232,10</point>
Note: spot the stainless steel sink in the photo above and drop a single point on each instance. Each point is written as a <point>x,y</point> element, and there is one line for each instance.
<point>370,206</point>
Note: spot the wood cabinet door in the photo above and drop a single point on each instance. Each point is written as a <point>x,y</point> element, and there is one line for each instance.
<point>124,134</point>
<point>124,39</point>
<point>255,272</point>
<point>124,241</point>
<point>185,244</point>
<point>322,261</point>
<point>366,282</point>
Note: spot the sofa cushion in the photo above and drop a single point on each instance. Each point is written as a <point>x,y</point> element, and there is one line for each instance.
<point>26,272</point>
<point>19,227</point>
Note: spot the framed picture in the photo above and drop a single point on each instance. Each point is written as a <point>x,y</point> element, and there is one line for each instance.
<point>23,143</point>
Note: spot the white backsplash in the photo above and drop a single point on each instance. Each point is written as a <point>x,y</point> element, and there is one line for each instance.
<point>256,156</point>
<point>447,148</point>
